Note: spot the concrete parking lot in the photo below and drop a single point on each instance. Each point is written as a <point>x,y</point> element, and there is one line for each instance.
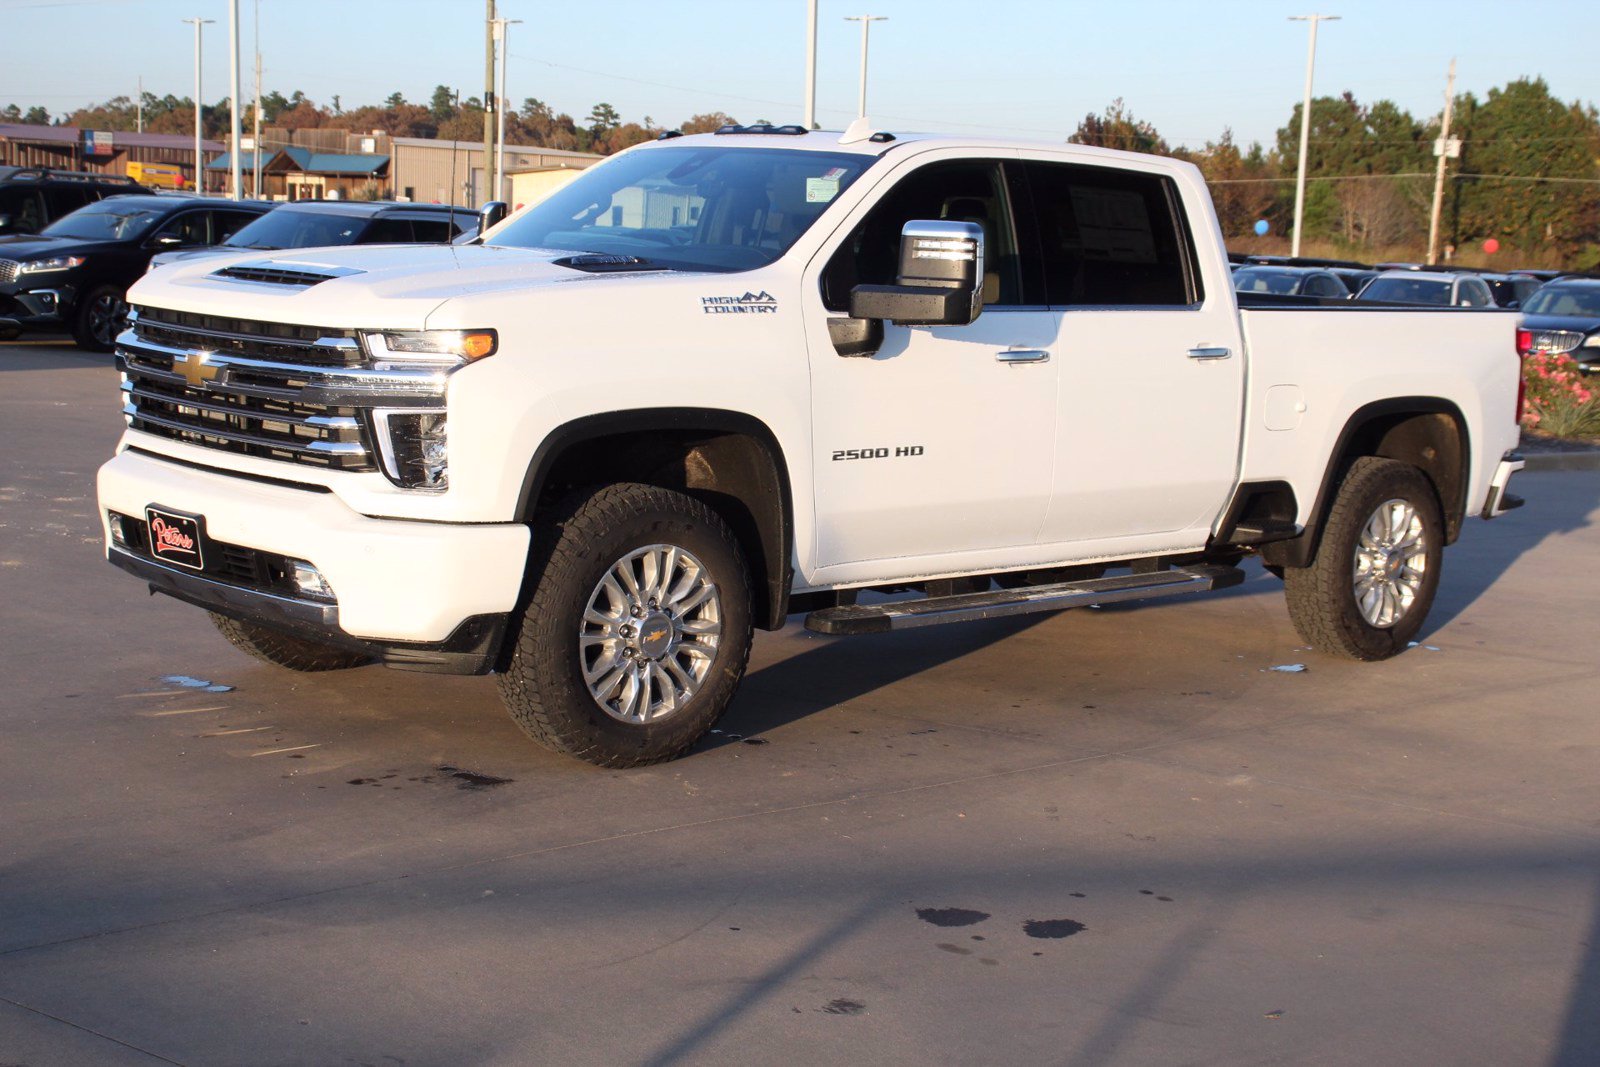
<point>1104,837</point>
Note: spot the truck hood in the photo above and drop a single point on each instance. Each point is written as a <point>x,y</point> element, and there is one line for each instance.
<point>393,286</point>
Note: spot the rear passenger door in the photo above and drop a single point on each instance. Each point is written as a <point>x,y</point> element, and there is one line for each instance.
<point>1152,376</point>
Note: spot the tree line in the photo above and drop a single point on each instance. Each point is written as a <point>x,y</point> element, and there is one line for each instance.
<point>1528,174</point>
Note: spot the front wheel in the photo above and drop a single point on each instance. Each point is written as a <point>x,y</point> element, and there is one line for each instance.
<point>637,633</point>
<point>1377,569</point>
<point>99,317</point>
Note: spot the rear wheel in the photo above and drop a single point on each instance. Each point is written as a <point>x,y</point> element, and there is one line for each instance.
<point>98,318</point>
<point>1377,569</point>
<point>637,633</point>
<point>297,654</point>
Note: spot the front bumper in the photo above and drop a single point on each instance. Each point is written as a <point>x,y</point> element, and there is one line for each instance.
<point>401,587</point>
<point>35,309</point>
<point>1500,501</point>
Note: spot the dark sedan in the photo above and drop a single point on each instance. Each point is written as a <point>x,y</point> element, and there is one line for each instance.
<point>1564,317</point>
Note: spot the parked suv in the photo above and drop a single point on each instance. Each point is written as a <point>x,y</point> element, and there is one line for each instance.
<point>33,197</point>
<point>73,275</point>
<point>1290,281</point>
<point>322,223</point>
<point>1436,288</point>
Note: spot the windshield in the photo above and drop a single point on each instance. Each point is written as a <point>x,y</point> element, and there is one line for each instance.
<point>1408,291</point>
<point>107,220</point>
<point>288,228</point>
<point>1256,280</point>
<point>1561,301</point>
<point>711,208</point>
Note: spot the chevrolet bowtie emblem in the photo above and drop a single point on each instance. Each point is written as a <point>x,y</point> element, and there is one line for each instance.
<point>194,368</point>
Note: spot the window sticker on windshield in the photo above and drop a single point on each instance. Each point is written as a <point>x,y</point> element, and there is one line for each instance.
<point>821,190</point>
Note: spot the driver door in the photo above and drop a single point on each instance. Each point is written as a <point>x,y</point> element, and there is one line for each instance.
<point>938,449</point>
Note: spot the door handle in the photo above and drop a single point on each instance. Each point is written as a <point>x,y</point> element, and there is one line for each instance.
<point>1022,355</point>
<point>1210,353</point>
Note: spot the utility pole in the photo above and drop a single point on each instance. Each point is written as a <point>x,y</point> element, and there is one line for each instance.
<point>866,24</point>
<point>811,64</point>
<point>255,138</point>
<point>1305,126</point>
<point>235,119</point>
<point>488,107</point>
<point>1444,150</point>
<point>502,33</point>
<point>140,126</point>
<point>199,156</point>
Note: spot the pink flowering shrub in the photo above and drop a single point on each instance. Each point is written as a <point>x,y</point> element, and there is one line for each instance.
<point>1562,400</point>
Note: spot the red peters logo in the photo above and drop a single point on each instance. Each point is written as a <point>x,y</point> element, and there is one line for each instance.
<point>167,538</point>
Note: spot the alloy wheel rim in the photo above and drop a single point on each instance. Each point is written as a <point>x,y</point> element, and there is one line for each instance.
<point>1391,563</point>
<point>649,633</point>
<point>103,317</point>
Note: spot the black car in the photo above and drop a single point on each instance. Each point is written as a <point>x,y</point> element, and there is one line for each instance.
<point>74,274</point>
<point>321,223</point>
<point>1511,291</point>
<point>1564,317</point>
<point>1290,281</point>
<point>33,197</point>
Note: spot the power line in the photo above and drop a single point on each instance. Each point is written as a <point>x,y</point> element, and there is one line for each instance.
<point>1415,174</point>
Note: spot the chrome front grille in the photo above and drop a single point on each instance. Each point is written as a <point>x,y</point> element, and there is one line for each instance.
<point>8,270</point>
<point>292,393</point>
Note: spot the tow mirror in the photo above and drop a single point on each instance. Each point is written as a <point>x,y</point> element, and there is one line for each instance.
<point>940,282</point>
<point>492,213</point>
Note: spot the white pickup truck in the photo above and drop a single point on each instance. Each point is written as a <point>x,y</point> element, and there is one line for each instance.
<point>718,380</point>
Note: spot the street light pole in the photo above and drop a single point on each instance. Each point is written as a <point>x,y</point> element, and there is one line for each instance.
<point>502,34</point>
<point>199,156</point>
<point>811,64</point>
<point>236,129</point>
<point>484,195</point>
<point>866,24</point>
<point>255,139</point>
<point>1305,126</point>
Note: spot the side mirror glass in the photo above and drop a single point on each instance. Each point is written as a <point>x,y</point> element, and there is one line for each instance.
<point>940,282</point>
<point>5,223</point>
<point>166,240</point>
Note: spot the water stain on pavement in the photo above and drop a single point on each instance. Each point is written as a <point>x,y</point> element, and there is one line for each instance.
<point>1052,929</point>
<point>951,916</point>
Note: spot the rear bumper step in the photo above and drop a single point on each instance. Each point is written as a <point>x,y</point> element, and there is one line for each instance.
<point>968,607</point>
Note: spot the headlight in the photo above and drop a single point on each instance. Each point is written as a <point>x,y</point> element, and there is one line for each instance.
<point>1592,341</point>
<point>430,346</point>
<point>413,446</point>
<point>40,266</point>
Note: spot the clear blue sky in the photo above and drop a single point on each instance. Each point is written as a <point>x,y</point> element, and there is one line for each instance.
<point>1018,67</point>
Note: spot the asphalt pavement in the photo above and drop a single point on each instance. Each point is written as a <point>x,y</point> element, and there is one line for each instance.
<point>1104,837</point>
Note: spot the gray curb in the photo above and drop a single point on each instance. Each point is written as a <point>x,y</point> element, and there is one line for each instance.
<point>1562,461</point>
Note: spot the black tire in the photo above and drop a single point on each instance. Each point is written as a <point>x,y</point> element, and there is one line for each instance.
<point>280,649</point>
<point>1322,599</point>
<point>98,318</point>
<point>577,544</point>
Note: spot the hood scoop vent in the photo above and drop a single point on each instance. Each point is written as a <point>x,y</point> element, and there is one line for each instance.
<point>604,263</point>
<point>266,272</point>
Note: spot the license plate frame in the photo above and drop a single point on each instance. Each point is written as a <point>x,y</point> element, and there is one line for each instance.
<point>176,537</point>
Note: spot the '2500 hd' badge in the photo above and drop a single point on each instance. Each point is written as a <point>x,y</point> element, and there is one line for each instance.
<point>762,303</point>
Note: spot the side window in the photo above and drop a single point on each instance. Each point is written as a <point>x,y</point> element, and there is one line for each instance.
<point>192,228</point>
<point>228,223</point>
<point>960,191</point>
<point>21,209</point>
<point>64,200</point>
<point>433,231</point>
<point>1111,237</point>
<point>389,231</point>
<point>1324,285</point>
<point>1473,294</point>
